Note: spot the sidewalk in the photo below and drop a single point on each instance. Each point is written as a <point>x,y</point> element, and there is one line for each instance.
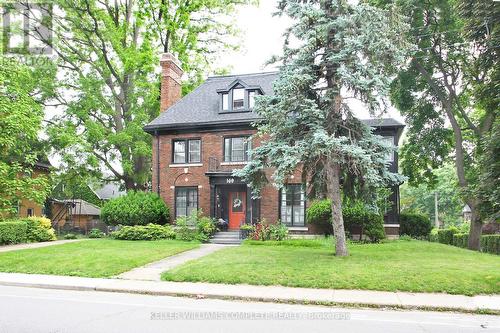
<point>152,271</point>
<point>8,248</point>
<point>260,293</point>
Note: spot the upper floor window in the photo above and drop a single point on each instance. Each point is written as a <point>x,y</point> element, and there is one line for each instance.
<point>390,155</point>
<point>237,149</point>
<point>239,97</point>
<point>187,151</point>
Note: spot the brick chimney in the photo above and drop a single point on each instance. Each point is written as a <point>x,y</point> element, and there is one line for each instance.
<point>171,85</point>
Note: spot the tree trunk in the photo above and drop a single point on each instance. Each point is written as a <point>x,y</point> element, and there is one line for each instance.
<point>476,227</point>
<point>333,188</point>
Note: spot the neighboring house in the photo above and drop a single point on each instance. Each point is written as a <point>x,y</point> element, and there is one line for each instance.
<point>109,191</point>
<point>199,139</point>
<point>75,215</point>
<point>28,207</point>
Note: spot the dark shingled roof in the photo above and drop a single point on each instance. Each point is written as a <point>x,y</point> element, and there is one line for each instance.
<point>201,107</point>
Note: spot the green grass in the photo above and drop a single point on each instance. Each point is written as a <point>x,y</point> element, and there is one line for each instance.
<point>92,258</point>
<point>414,266</point>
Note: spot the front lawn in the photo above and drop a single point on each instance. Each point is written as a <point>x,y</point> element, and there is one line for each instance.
<point>92,258</point>
<point>414,266</point>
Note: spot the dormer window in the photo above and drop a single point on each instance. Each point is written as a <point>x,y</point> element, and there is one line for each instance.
<point>238,97</point>
<point>225,102</point>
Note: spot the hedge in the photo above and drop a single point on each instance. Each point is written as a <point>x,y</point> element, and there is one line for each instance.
<point>461,240</point>
<point>414,225</point>
<point>13,232</point>
<point>39,229</point>
<point>135,208</point>
<point>490,244</point>
<point>445,236</point>
<point>144,232</point>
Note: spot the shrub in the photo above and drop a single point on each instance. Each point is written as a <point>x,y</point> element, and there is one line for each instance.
<point>96,233</point>
<point>370,224</point>
<point>135,208</point>
<point>144,232</point>
<point>460,240</point>
<point>13,232</point>
<point>278,231</point>
<point>445,236</point>
<point>354,214</point>
<point>490,244</point>
<point>70,236</point>
<point>39,229</point>
<point>266,232</point>
<point>319,213</point>
<point>195,227</point>
<point>433,237</point>
<point>405,238</point>
<point>414,225</point>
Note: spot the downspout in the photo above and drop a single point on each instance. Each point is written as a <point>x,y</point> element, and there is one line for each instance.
<point>157,162</point>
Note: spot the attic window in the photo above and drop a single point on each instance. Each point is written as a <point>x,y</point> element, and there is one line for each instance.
<point>238,99</point>
<point>225,102</point>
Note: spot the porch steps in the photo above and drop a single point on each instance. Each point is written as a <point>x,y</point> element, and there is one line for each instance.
<point>226,237</point>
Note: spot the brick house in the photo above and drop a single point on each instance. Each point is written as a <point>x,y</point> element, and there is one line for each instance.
<point>200,138</point>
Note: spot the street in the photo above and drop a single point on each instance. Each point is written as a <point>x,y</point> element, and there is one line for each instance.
<point>45,310</point>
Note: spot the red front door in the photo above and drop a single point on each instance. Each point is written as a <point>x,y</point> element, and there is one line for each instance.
<point>236,209</point>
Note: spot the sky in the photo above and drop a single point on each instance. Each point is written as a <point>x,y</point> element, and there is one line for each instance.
<point>262,37</point>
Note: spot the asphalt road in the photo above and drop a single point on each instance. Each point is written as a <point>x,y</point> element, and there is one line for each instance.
<point>42,310</point>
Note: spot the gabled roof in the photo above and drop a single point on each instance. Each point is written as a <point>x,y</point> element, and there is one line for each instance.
<point>201,108</point>
<point>83,207</point>
<point>109,191</point>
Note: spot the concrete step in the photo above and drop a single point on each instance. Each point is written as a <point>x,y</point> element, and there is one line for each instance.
<point>225,241</point>
<point>226,236</point>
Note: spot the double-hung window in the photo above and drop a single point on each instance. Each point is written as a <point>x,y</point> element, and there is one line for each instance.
<point>292,205</point>
<point>186,200</point>
<point>187,151</point>
<point>236,149</point>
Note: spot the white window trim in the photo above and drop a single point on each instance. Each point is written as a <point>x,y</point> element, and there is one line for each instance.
<point>391,225</point>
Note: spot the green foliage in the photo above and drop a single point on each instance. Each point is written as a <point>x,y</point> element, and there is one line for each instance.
<point>39,229</point>
<point>20,121</point>
<point>70,236</point>
<point>195,227</point>
<point>490,244</point>
<point>405,238</point>
<point>445,236</point>
<point>135,208</point>
<point>356,215</point>
<point>319,212</point>
<point>145,232</point>
<point>264,231</point>
<point>343,50</point>
<point>106,83</point>
<point>96,233</point>
<point>414,224</point>
<point>13,232</point>
<point>461,240</point>
<point>420,198</point>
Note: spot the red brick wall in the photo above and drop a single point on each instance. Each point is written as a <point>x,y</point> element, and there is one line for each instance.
<point>211,146</point>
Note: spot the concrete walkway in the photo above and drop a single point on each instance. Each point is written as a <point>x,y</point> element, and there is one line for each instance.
<point>152,271</point>
<point>8,248</point>
<point>425,301</point>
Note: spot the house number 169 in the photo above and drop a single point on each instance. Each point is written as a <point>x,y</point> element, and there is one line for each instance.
<point>229,180</point>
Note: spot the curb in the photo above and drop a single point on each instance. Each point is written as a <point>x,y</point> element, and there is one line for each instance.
<point>249,293</point>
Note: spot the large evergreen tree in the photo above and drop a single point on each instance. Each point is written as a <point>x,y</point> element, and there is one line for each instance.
<point>341,51</point>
